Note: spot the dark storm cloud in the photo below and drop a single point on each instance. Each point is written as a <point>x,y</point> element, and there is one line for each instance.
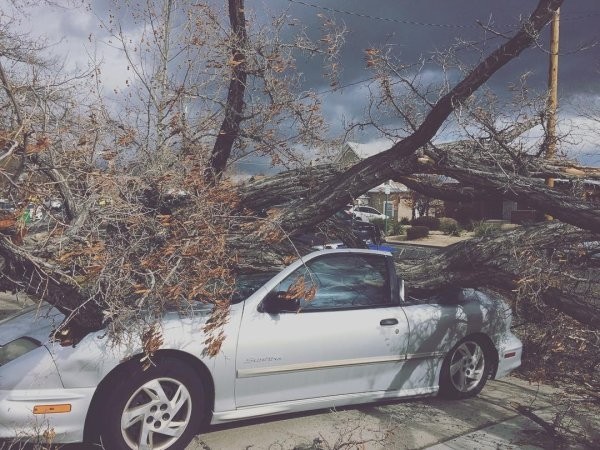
<point>416,29</point>
<point>438,24</point>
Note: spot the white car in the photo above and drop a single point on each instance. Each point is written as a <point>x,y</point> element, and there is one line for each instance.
<point>366,213</point>
<point>358,340</point>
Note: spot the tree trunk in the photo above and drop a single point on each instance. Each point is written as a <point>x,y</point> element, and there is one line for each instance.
<point>400,159</point>
<point>230,127</point>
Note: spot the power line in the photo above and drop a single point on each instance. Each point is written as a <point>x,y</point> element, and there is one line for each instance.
<point>572,17</point>
<point>579,15</point>
<point>385,19</point>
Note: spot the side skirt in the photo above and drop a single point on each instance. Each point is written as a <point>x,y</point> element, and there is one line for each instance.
<point>317,403</point>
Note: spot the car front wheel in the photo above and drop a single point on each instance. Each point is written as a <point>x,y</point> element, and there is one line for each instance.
<point>159,408</point>
<point>465,370</point>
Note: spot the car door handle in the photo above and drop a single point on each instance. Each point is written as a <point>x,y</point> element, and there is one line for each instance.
<point>388,322</point>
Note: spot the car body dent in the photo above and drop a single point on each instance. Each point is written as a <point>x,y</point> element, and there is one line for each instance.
<point>32,370</point>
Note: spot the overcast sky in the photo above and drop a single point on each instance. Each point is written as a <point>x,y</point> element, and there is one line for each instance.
<point>412,29</point>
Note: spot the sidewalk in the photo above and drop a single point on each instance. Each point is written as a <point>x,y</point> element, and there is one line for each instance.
<point>435,239</point>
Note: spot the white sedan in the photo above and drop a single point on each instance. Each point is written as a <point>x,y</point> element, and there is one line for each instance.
<point>356,340</point>
<point>366,213</point>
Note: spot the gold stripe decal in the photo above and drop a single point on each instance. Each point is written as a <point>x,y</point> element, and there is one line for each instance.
<point>259,371</point>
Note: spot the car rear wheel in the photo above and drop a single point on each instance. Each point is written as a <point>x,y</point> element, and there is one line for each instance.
<point>465,370</point>
<point>159,408</point>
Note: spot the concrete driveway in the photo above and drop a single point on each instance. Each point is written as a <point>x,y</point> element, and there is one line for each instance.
<point>489,421</point>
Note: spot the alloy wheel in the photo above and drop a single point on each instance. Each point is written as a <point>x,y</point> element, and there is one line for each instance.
<point>156,415</point>
<point>467,366</point>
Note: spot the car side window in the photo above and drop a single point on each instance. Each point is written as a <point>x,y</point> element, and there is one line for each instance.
<point>339,281</point>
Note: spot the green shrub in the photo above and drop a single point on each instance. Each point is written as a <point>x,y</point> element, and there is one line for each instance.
<point>450,226</point>
<point>395,228</point>
<point>433,223</point>
<point>404,221</point>
<point>486,229</point>
<point>416,232</point>
<point>468,225</point>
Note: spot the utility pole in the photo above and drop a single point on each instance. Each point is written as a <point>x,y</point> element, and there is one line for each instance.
<point>550,151</point>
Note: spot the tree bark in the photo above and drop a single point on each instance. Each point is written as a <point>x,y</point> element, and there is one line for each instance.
<point>230,127</point>
<point>445,191</point>
<point>43,280</point>
<point>533,259</point>
<point>514,186</point>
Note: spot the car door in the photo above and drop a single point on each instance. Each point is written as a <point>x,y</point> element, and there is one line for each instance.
<point>350,338</point>
<point>365,213</point>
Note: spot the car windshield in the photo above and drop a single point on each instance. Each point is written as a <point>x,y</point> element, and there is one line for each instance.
<point>248,283</point>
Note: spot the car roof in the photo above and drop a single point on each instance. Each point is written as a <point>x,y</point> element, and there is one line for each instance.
<point>347,250</point>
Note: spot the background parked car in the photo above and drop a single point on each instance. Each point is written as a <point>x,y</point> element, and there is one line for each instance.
<point>366,213</point>
<point>6,206</point>
<point>368,232</point>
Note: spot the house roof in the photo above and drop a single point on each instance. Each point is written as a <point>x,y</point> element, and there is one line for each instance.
<point>395,188</point>
<point>364,151</point>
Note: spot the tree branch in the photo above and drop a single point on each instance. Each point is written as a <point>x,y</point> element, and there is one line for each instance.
<point>399,159</point>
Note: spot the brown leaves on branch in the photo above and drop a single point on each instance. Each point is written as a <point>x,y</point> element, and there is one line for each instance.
<point>40,145</point>
<point>152,340</point>
<point>372,56</point>
<point>147,232</point>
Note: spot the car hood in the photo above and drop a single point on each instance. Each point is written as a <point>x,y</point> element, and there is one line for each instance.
<point>36,322</point>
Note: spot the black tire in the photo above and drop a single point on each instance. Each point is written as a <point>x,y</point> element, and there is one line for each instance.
<point>465,369</point>
<point>166,404</point>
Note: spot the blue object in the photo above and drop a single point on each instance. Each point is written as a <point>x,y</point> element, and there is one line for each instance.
<point>382,247</point>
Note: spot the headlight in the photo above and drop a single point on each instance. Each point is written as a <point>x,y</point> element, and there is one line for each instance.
<point>15,349</point>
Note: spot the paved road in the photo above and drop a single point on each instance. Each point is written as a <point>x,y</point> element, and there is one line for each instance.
<point>488,421</point>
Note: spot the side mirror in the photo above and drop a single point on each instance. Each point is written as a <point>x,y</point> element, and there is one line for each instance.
<point>277,301</point>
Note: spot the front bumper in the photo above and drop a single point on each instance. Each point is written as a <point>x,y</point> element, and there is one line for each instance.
<point>509,355</point>
<point>17,420</point>
<point>33,380</point>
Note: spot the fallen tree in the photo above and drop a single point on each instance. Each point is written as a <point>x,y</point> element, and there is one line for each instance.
<point>141,238</point>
